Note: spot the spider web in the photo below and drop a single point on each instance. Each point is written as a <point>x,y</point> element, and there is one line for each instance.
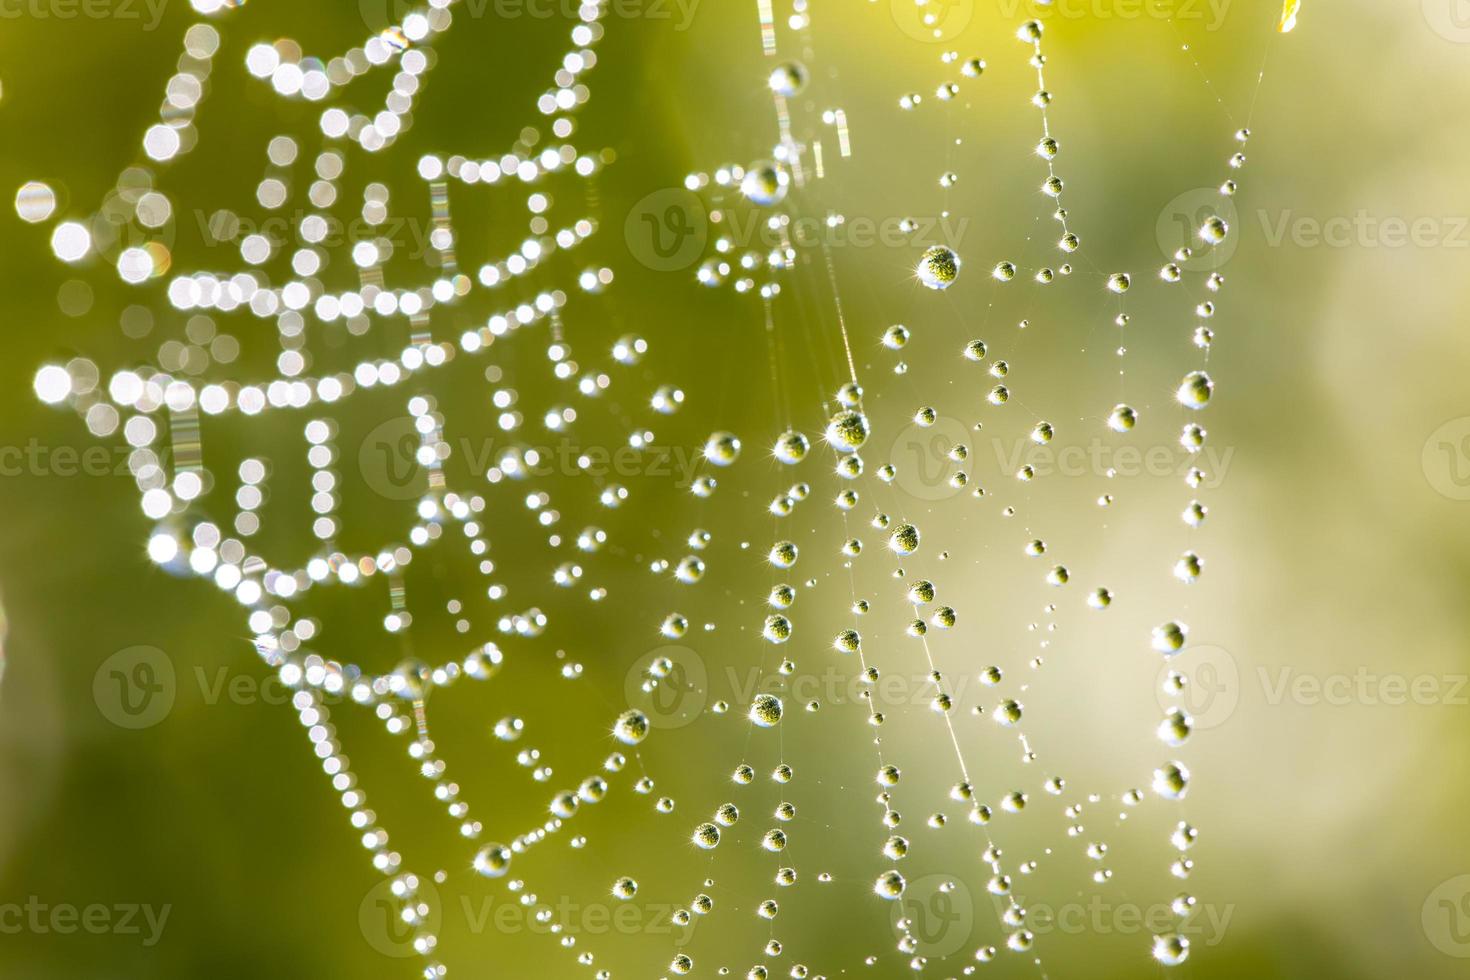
<point>492,538</point>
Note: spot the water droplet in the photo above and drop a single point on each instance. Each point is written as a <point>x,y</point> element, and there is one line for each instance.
<point>1168,638</point>
<point>765,710</point>
<point>35,202</point>
<point>783,554</point>
<point>1175,728</point>
<point>905,540</point>
<point>1122,418</point>
<point>493,861</point>
<point>938,267</point>
<point>890,885</point>
<point>1195,391</point>
<point>631,727</point>
<point>1214,230</point>
<point>1007,713</point>
<point>791,447</point>
<point>847,431</point>
<point>1171,781</point>
<point>765,183</point>
<point>1171,950</point>
<point>722,448</point>
<point>788,79</point>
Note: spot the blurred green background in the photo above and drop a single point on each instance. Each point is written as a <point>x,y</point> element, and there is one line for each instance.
<point>1326,632</point>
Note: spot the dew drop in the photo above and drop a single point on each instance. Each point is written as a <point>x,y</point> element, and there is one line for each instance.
<point>890,885</point>
<point>722,448</point>
<point>905,540</point>
<point>1214,230</point>
<point>1168,638</point>
<point>631,727</point>
<point>1195,391</point>
<point>847,431</point>
<point>1122,418</point>
<point>777,629</point>
<point>938,267</point>
<point>1171,781</point>
<point>788,79</point>
<point>493,861</point>
<point>765,710</point>
<point>1171,950</point>
<point>765,183</point>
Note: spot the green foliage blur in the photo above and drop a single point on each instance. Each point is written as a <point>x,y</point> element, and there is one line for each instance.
<point>1330,779</point>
